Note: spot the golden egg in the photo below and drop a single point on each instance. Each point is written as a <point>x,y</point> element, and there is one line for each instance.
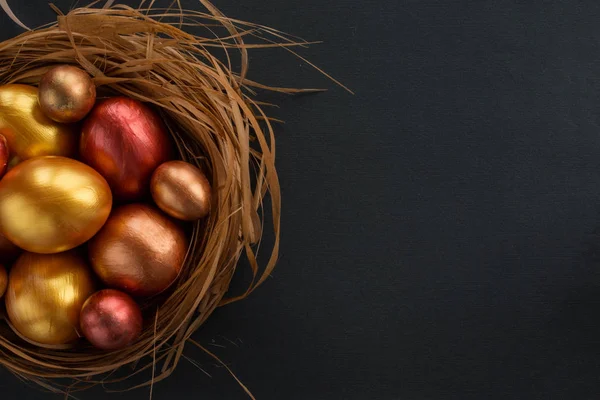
<point>67,93</point>
<point>181,190</point>
<point>45,295</point>
<point>52,204</point>
<point>29,132</point>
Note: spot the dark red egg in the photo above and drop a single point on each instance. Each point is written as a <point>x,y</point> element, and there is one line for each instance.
<point>111,320</point>
<point>125,140</point>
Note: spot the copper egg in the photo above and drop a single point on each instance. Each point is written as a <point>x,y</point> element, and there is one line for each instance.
<point>3,280</point>
<point>45,295</point>
<point>139,250</point>
<point>29,132</point>
<point>181,190</point>
<point>111,320</point>
<point>125,140</point>
<point>66,94</point>
<point>52,204</point>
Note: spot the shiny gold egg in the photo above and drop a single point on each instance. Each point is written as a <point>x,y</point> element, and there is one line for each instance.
<point>181,190</point>
<point>45,295</point>
<point>67,93</point>
<point>29,132</point>
<point>3,280</point>
<point>52,204</point>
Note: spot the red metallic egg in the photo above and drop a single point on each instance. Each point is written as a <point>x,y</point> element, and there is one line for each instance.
<point>111,320</point>
<point>125,140</point>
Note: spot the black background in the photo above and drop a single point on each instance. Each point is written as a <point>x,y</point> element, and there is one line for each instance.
<point>439,227</point>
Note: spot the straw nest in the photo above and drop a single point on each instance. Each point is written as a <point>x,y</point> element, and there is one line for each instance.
<point>149,55</point>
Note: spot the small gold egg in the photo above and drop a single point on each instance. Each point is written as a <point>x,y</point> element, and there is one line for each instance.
<point>67,93</point>
<point>181,190</point>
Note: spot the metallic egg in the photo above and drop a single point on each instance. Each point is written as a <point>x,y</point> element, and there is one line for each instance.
<point>139,250</point>
<point>52,204</point>
<point>66,94</point>
<point>29,132</point>
<point>45,294</point>
<point>111,320</point>
<point>181,190</point>
<point>125,140</point>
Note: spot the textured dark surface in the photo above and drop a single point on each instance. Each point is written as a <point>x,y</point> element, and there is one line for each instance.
<point>438,227</point>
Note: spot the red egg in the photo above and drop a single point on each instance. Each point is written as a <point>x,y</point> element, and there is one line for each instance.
<point>111,320</point>
<point>125,140</point>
